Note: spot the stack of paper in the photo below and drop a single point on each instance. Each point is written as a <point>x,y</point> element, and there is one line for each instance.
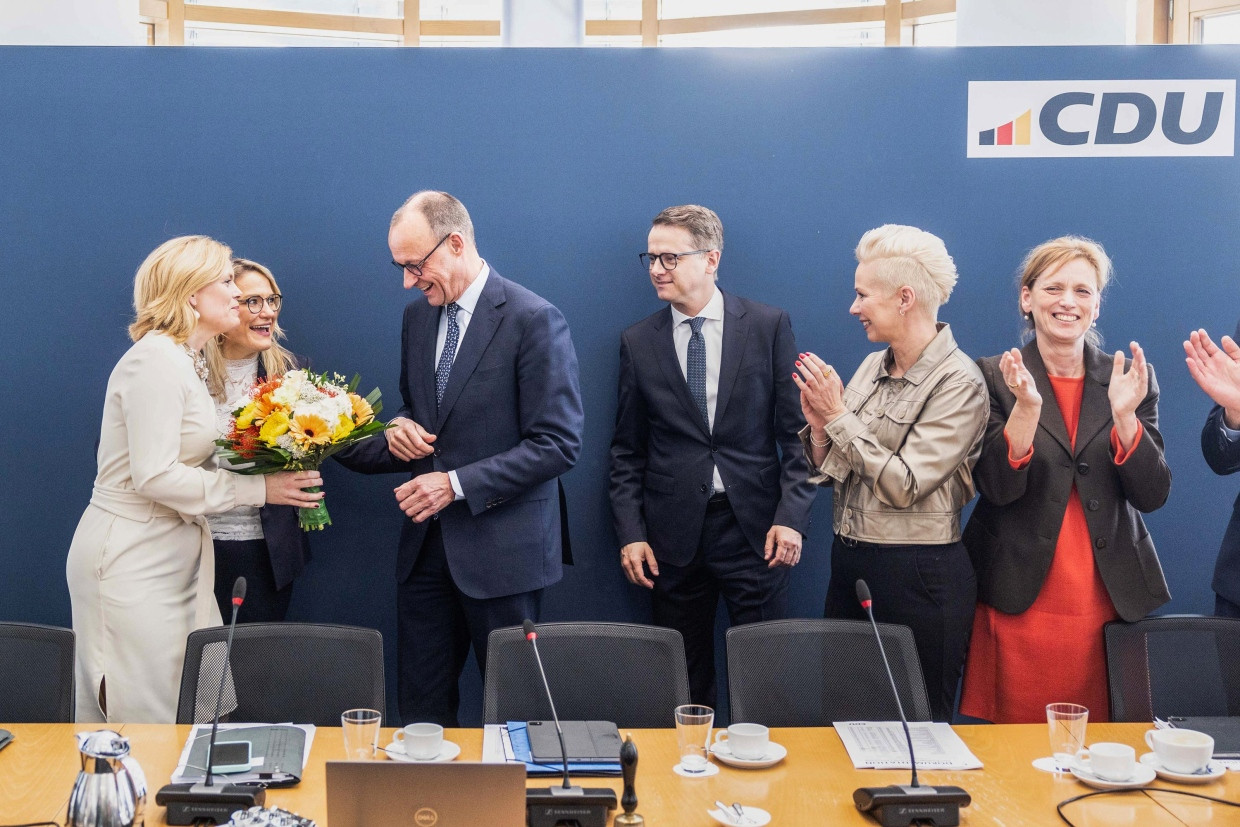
<point>882,745</point>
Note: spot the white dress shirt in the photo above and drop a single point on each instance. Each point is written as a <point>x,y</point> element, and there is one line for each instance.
<point>466,305</point>
<point>712,334</point>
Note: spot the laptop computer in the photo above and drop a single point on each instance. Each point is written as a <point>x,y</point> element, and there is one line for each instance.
<point>457,794</point>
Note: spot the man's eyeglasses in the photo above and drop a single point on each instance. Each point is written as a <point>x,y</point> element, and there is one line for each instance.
<point>255,303</point>
<point>415,270</point>
<point>668,260</point>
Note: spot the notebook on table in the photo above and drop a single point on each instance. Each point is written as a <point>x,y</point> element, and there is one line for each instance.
<point>1223,729</point>
<point>457,794</point>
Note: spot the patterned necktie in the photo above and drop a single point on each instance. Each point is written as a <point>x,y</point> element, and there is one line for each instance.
<point>695,368</point>
<point>449,352</point>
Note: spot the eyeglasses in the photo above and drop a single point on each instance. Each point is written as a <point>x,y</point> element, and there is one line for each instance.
<point>668,260</point>
<point>255,303</point>
<point>415,270</point>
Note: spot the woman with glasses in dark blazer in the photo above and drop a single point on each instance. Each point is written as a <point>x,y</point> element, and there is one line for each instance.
<point>1071,458</point>
<point>264,545</point>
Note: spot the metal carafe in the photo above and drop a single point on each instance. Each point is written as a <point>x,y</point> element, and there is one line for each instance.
<point>110,791</point>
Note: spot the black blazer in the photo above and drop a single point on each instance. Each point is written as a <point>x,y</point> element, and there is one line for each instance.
<point>1222,454</point>
<point>662,456</point>
<point>1012,534</point>
<point>287,545</point>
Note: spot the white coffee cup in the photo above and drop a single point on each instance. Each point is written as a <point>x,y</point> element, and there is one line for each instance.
<point>422,741</point>
<point>1181,750</point>
<point>748,741</point>
<point>1108,761</point>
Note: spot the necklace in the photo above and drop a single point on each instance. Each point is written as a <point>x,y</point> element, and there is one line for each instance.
<point>200,361</point>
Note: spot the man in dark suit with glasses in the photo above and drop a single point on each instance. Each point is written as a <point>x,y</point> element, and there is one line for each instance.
<point>709,486</point>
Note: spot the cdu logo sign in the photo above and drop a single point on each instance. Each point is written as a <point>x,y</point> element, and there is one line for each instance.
<point>1101,118</point>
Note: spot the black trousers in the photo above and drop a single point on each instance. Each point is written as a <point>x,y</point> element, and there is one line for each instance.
<point>687,597</point>
<point>931,589</point>
<point>264,603</point>
<point>436,625</point>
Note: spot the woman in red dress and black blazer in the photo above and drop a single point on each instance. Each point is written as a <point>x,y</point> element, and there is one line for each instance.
<point>1071,455</point>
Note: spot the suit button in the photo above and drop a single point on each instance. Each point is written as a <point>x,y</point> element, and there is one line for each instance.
<point>438,452</point>
<point>1101,542</point>
<point>705,488</point>
<point>1082,468</point>
<point>1093,505</point>
<point>714,449</point>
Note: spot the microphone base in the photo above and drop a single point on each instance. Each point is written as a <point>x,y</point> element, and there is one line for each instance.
<point>895,806</point>
<point>552,806</point>
<point>193,803</point>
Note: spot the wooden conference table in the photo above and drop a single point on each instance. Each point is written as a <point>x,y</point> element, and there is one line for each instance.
<point>812,786</point>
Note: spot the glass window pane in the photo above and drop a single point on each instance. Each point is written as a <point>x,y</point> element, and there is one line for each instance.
<point>459,41</point>
<point>710,8</point>
<point>1221,28</point>
<point>935,31</point>
<point>363,8</point>
<point>840,34</point>
<point>620,40</point>
<point>462,10</point>
<point>233,35</point>
<point>613,9</point>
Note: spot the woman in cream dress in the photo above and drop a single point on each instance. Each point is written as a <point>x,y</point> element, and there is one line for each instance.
<point>141,567</point>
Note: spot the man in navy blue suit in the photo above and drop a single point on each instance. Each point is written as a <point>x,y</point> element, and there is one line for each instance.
<point>1217,370</point>
<point>709,486</point>
<point>492,416</point>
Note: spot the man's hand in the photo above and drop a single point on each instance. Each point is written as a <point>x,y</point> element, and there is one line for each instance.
<point>783,546</point>
<point>1217,370</point>
<point>633,557</point>
<point>407,440</point>
<point>425,495</point>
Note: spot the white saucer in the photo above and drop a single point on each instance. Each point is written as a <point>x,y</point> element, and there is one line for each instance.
<point>1212,772</point>
<point>774,754</point>
<point>756,815</point>
<point>1142,775</point>
<point>711,769</point>
<point>449,750</point>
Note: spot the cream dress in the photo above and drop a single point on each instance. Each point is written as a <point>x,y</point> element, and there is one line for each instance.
<point>141,567</point>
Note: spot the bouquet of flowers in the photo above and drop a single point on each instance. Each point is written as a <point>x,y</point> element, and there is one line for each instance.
<point>296,421</point>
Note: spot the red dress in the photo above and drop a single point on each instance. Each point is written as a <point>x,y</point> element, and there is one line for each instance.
<point>1053,651</point>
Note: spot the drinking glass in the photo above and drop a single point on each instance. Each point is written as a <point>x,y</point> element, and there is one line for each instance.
<point>1067,730</point>
<point>360,728</point>
<point>693,726</point>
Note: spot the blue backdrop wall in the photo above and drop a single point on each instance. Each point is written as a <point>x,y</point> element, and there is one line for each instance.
<point>297,158</point>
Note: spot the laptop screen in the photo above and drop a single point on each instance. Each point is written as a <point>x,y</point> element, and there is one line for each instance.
<point>458,794</point>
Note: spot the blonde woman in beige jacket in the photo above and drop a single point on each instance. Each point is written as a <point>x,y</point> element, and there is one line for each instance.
<point>141,567</point>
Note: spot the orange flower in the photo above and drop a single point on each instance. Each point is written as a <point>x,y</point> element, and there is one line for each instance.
<point>362,412</point>
<point>309,430</point>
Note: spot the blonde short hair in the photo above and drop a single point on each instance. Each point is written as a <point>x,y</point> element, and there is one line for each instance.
<point>909,256</point>
<point>702,223</point>
<point>1050,255</point>
<point>174,271</point>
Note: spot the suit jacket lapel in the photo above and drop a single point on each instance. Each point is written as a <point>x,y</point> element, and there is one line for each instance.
<point>421,361</point>
<point>669,363</point>
<point>735,334</point>
<point>1051,420</point>
<point>482,327</point>
<point>1095,403</point>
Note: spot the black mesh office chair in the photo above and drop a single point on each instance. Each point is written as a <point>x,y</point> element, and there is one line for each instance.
<point>306,673</point>
<point>1176,665</point>
<point>812,672</point>
<point>36,674</point>
<point>631,674</point>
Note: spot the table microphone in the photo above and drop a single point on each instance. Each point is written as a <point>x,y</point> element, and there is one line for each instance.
<point>209,802</point>
<point>900,806</point>
<point>566,804</point>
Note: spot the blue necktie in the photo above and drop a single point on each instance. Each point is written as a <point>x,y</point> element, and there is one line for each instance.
<point>695,368</point>
<point>449,352</point>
